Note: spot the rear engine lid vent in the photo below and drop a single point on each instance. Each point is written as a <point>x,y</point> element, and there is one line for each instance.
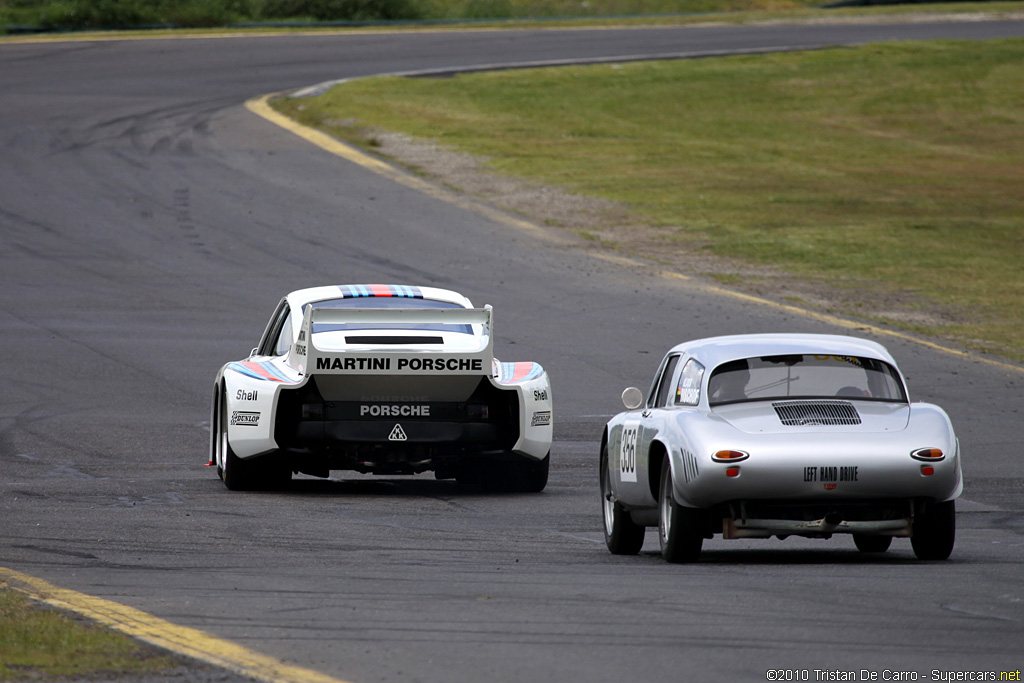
<point>821,412</point>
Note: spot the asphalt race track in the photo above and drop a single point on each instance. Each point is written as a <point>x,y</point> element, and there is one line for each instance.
<point>148,225</point>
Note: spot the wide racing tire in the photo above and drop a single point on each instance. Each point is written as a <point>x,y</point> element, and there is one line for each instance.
<point>237,474</point>
<point>511,474</point>
<point>621,534</point>
<point>934,531</point>
<point>532,475</point>
<point>680,529</point>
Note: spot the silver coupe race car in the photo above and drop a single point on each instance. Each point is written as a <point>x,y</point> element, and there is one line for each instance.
<point>380,379</point>
<point>753,436</point>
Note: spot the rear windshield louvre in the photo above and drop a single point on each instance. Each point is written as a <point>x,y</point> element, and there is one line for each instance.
<point>797,413</point>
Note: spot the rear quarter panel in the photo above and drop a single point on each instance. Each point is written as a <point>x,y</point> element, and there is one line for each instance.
<point>628,461</point>
<point>250,393</point>
<point>536,406</point>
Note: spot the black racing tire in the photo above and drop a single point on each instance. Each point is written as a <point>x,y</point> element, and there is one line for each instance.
<point>679,528</point>
<point>216,434</point>
<point>934,531</point>
<point>468,476</point>
<point>621,534</point>
<point>533,474</point>
<point>237,474</point>
<point>511,474</point>
<point>872,544</point>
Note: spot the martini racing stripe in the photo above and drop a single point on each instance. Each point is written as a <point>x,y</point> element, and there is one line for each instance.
<point>515,373</point>
<point>264,371</point>
<point>358,291</point>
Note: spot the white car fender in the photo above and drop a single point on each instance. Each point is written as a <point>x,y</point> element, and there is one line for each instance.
<point>531,384</point>
<point>251,389</point>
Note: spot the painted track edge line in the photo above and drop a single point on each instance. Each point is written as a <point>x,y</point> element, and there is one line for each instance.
<point>321,88</point>
<point>260,107</point>
<point>181,640</point>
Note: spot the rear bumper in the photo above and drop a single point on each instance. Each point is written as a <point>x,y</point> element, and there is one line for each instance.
<point>822,519</point>
<point>765,528</point>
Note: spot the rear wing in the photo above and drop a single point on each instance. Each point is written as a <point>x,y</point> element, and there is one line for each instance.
<point>369,358</point>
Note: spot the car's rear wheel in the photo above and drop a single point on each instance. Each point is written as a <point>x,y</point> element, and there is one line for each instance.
<point>872,544</point>
<point>519,474</point>
<point>934,531</point>
<point>235,471</point>
<point>534,474</point>
<point>621,535</point>
<point>237,474</point>
<point>679,528</point>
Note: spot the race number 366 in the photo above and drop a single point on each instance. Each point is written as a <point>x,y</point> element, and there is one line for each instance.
<point>627,454</point>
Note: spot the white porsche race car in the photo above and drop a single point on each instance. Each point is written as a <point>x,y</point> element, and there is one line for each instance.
<point>380,379</point>
<point>753,436</point>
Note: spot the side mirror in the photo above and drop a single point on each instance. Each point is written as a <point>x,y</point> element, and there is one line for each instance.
<point>253,352</point>
<point>632,398</point>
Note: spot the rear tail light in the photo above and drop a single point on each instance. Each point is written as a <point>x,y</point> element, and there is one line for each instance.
<point>928,454</point>
<point>732,472</point>
<point>927,470</point>
<point>730,456</point>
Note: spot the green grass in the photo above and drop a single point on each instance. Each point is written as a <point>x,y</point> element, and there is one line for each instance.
<point>894,170</point>
<point>40,644</point>
<point>122,14</point>
<point>154,17</point>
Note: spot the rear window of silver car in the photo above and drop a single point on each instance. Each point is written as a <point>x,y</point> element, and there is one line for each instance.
<point>806,377</point>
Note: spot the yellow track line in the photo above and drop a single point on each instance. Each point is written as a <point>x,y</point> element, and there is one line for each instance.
<point>260,107</point>
<point>178,639</point>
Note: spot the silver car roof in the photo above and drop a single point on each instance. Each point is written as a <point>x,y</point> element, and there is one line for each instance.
<point>713,351</point>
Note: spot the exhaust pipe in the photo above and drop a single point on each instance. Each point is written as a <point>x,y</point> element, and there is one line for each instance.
<point>830,522</point>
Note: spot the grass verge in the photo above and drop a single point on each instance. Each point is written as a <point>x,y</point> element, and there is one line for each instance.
<point>888,175</point>
<point>40,644</point>
<point>92,19</point>
<point>99,14</point>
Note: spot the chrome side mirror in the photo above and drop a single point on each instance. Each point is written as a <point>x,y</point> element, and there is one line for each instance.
<point>632,398</point>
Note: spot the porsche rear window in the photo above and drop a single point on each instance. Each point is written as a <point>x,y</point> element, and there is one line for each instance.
<point>805,376</point>
<point>387,302</point>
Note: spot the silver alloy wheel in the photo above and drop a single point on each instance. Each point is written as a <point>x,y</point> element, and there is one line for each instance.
<point>222,442</point>
<point>665,505</point>
<point>621,534</point>
<point>608,504</point>
<point>609,514</point>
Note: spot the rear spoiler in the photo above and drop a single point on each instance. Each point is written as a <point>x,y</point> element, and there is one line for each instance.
<point>389,359</point>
